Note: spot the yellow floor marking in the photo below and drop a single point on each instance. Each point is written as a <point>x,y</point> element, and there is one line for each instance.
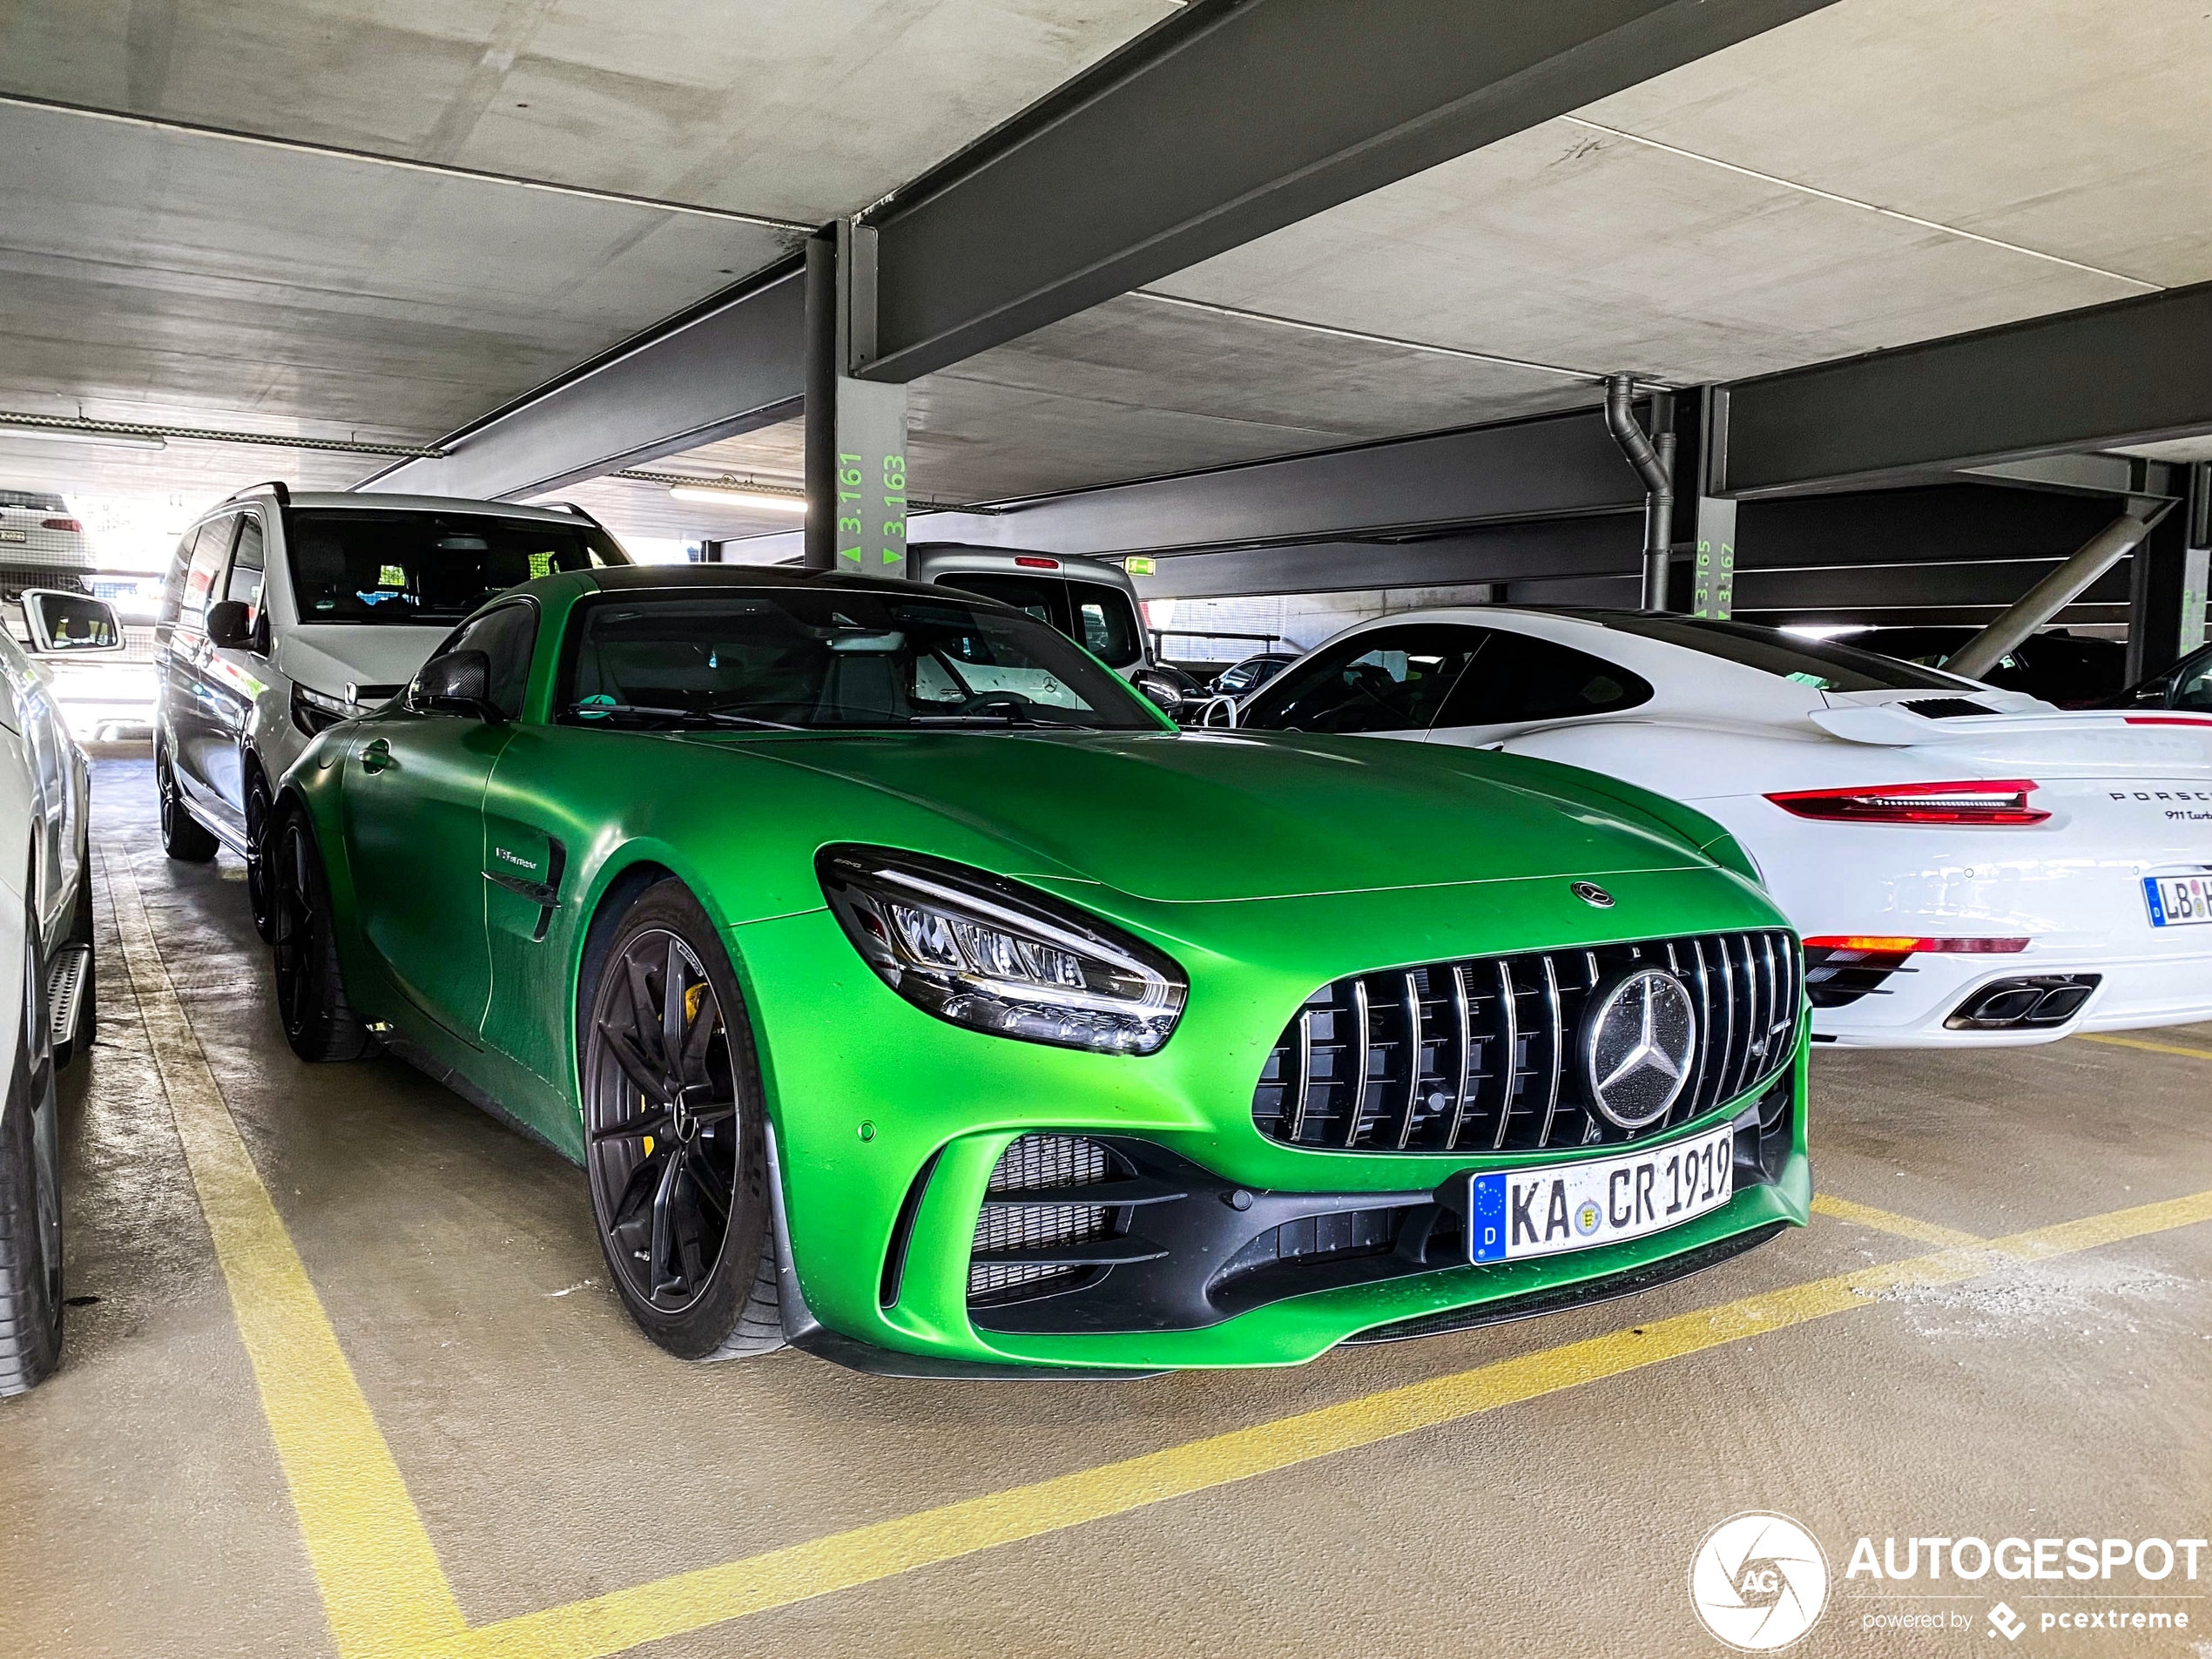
<point>608,1624</point>
<point>380,1581</point>
<point>2150,1047</point>
<point>1925,1232</point>
<point>387,1598</point>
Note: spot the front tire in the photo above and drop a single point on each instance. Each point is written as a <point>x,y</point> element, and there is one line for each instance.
<point>319,1023</point>
<point>30,1202</point>
<point>183,837</point>
<point>675,1132</point>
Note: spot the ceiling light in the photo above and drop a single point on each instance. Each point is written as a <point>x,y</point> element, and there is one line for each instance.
<point>70,434</point>
<point>723,496</point>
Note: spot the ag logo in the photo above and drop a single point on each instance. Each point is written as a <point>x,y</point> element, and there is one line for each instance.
<point>1758,1581</point>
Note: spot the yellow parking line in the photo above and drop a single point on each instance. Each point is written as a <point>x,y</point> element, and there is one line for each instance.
<point>380,1578</point>
<point>387,1598</point>
<point>2150,1047</point>
<point>607,1625</point>
<point>1925,1232</point>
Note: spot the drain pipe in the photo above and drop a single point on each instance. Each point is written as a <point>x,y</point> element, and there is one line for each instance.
<point>1656,464</point>
<point>2057,590</point>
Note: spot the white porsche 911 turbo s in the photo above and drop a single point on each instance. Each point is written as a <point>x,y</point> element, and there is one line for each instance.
<point>1967,864</point>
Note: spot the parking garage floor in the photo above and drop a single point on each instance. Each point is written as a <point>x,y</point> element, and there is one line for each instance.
<point>365,1390</point>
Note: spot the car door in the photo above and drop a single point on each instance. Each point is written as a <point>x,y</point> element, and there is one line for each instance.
<point>186,699</point>
<point>1521,680</point>
<point>414,797</point>
<point>230,679</point>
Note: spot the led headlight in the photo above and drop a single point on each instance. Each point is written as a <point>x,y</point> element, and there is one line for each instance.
<point>314,712</point>
<point>981,951</point>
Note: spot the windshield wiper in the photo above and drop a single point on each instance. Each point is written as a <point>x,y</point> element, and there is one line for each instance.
<point>586,710</point>
<point>1000,719</point>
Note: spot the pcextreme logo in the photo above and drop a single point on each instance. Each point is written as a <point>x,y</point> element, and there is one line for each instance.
<point>1758,1581</point>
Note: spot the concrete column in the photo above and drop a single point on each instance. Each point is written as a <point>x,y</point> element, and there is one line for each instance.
<point>2166,588</point>
<point>856,430</point>
<point>1712,570</point>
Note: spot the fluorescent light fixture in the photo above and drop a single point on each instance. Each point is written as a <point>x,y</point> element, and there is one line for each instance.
<point>722,495</point>
<point>70,435</point>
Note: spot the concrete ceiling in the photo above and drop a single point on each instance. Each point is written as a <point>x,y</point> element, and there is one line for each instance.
<point>1878,173</point>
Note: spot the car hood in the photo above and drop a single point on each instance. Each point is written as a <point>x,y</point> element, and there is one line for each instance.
<point>1214,816</point>
<point>329,656</point>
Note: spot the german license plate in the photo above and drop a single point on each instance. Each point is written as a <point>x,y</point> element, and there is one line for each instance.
<point>14,535</point>
<point>1517,1213</point>
<point>2178,900</point>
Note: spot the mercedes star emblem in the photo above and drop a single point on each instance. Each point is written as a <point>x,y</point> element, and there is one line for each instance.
<point>1590,893</point>
<point>1637,1043</point>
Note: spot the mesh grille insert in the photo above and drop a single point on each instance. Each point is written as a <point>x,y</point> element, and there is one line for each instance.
<point>1032,1163</point>
<point>1483,1054</point>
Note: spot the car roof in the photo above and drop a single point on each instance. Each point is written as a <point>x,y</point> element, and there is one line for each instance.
<point>624,579</point>
<point>356,502</point>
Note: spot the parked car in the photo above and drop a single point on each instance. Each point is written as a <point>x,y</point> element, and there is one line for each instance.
<point>104,689</point>
<point>827,922</point>
<point>2188,684</point>
<point>2067,670</point>
<point>46,984</point>
<point>39,535</point>
<point>1242,679</point>
<point>1967,864</point>
<point>284,614</point>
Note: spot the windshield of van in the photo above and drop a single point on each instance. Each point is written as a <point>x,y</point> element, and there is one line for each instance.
<point>845,658</point>
<point>412,568</point>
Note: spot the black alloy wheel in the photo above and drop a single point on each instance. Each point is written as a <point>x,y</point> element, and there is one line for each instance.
<point>183,836</point>
<point>674,1138</point>
<point>258,897</point>
<point>319,1023</point>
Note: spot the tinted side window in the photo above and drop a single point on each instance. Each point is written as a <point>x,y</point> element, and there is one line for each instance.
<point>1044,597</point>
<point>1519,677</point>
<point>199,578</point>
<point>245,582</point>
<point>1389,679</point>
<point>1105,623</point>
<point>507,635</point>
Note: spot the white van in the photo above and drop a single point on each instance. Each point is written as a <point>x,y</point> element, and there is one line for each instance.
<point>283,615</point>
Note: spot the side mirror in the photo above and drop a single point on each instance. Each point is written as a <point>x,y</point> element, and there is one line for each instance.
<point>229,625</point>
<point>68,624</point>
<point>458,683</point>
<point>1161,689</point>
<point>1218,710</point>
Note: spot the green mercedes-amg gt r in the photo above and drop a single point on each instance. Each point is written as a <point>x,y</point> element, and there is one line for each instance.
<point>914,993</point>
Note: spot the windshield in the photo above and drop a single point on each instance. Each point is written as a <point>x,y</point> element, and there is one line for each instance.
<point>1821,664</point>
<point>414,569</point>
<point>841,658</point>
<point>1099,617</point>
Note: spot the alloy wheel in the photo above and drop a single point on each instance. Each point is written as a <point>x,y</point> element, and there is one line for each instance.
<point>292,921</point>
<point>661,1119</point>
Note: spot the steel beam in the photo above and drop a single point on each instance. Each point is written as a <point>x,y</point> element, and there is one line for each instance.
<point>1230,120</point>
<point>1593,546</point>
<point>730,365</point>
<point>1552,466</point>
<point>2128,373</point>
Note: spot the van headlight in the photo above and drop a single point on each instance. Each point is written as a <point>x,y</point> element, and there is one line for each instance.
<point>314,712</point>
<point>983,952</point>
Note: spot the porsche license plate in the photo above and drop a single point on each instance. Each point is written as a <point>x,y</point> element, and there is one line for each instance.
<point>1517,1213</point>
<point>2178,900</point>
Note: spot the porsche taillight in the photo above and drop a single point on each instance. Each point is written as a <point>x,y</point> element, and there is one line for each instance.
<point>1980,801</point>
<point>1908,944</point>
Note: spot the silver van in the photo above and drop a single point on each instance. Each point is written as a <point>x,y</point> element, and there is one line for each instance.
<point>284,614</point>
<point>1092,602</point>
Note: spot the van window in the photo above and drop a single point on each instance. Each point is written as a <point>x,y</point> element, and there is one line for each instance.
<point>245,582</point>
<point>1099,617</point>
<point>195,581</point>
<point>400,568</point>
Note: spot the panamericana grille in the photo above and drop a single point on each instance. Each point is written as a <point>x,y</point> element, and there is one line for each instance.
<point>1483,1055</point>
<point>1036,1163</point>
